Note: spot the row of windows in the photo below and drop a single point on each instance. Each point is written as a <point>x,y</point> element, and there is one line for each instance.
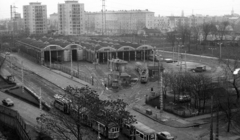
<point>114,129</point>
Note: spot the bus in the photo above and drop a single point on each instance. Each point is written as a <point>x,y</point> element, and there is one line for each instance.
<point>139,131</point>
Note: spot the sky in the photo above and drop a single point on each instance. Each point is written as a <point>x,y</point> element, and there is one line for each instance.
<point>160,7</point>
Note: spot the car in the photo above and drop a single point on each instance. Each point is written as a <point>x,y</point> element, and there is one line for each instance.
<point>8,102</point>
<point>199,69</point>
<point>184,98</point>
<point>168,60</point>
<point>164,136</point>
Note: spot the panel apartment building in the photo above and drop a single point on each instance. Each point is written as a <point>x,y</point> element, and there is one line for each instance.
<point>71,18</point>
<point>35,18</point>
<point>122,22</point>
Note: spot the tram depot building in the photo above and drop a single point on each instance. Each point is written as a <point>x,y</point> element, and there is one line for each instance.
<point>45,49</point>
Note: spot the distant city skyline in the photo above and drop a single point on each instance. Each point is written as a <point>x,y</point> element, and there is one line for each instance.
<point>160,7</point>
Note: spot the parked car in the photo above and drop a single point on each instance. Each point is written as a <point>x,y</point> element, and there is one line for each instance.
<point>8,102</point>
<point>164,136</point>
<point>184,98</point>
<point>199,69</point>
<point>168,60</point>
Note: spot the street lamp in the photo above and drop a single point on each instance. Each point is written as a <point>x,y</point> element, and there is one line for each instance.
<point>220,45</point>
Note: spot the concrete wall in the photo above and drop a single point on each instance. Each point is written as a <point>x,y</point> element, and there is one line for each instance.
<point>12,119</point>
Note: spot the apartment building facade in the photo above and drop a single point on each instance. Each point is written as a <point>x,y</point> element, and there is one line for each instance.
<point>161,23</point>
<point>71,18</point>
<point>35,18</point>
<point>53,22</point>
<point>123,21</point>
<point>90,21</point>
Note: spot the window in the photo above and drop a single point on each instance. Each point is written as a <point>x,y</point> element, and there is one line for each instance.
<point>141,135</point>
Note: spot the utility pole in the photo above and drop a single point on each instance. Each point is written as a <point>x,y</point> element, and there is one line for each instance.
<point>40,100</point>
<point>185,61</point>
<point>22,78</point>
<point>217,125</point>
<point>220,53</point>
<point>173,54</point>
<point>13,13</point>
<point>71,63</point>
<point>211,125</point>
<point>103,17</point>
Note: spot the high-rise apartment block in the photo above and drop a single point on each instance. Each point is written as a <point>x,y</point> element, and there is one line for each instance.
<point>53,22</point>
<point>35,18</point>
<point>121,22</point>
<point>71,18</point>
<point>90,21</point>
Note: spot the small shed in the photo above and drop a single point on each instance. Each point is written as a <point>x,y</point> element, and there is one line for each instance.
<point>153,70</point>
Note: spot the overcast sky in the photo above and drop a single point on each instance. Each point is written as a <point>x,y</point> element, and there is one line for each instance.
<point>160,7</point>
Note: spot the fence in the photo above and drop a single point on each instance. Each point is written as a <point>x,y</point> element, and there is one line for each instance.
<point>180,110</point>
<point>12,119</point>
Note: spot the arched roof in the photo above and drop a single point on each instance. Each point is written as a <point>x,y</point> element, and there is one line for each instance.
<point>123,48</point>
<point>146,47</point>
<point>53,47</point>
<point>105,49</point>
<point>73,46</point>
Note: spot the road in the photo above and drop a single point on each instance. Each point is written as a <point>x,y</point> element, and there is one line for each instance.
<point>131,95</point>
<point>44,72</point>
<point>28,112</point>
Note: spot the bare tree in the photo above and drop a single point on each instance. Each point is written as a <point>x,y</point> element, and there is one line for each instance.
<point>226,104</point>
<point>195,34</point>
<point>222,29</point>
<point>82,102</point>
<point>207,28</point>
<point>171,37</point>
<point>184,31</point>
<point>85,106</point>
<point>166,83</point>
<point>229,66</point>
<point>114,112</point>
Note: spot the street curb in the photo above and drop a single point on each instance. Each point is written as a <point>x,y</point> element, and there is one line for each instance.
<point>163,123</point>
